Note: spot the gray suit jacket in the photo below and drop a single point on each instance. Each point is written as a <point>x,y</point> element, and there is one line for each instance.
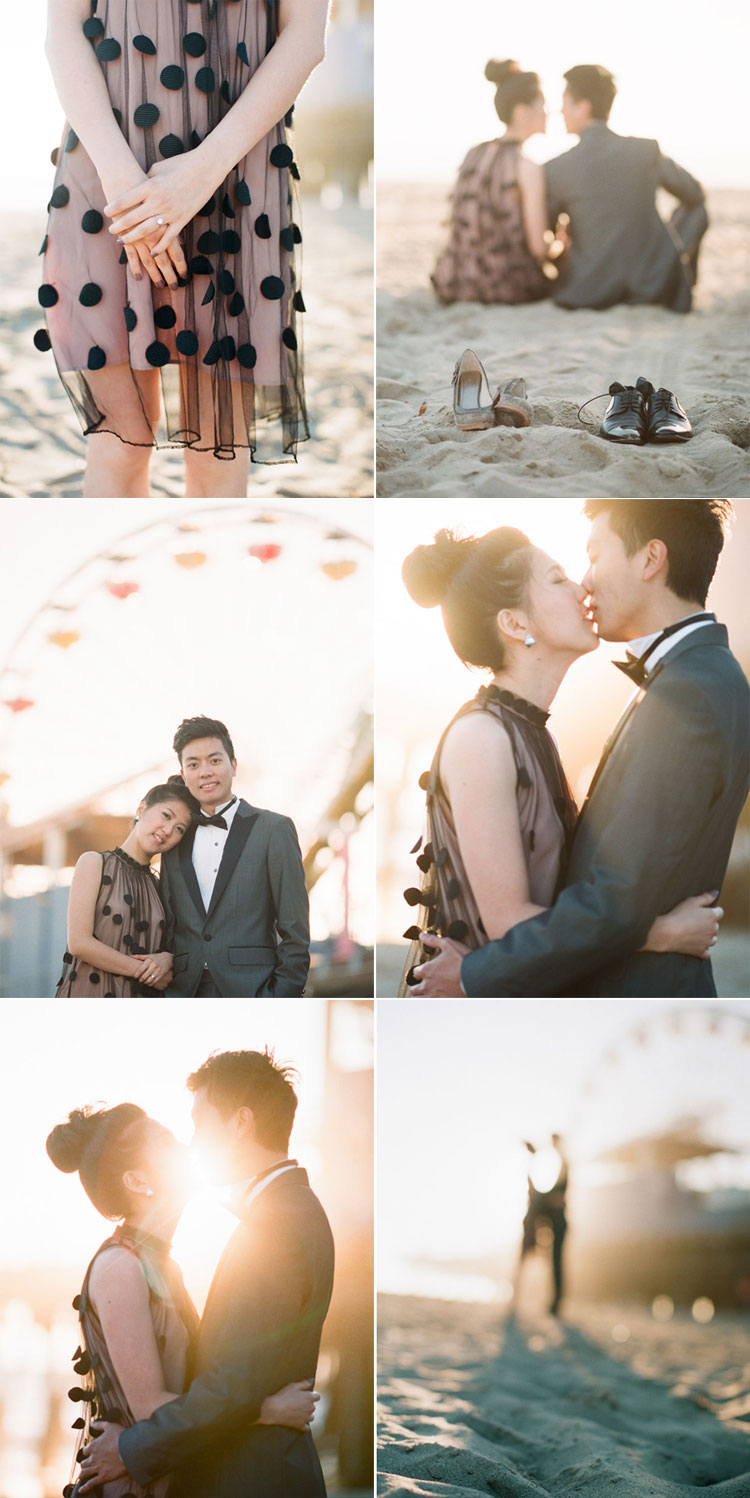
<point>656,826</point>
<point>260,1330</point>
<point>255,936</point>
<point>622,251</point>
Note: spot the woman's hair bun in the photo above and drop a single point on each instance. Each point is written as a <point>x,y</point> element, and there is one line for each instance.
<point>68,1142</point>
<point>429,570</point>
<point>497,71</point>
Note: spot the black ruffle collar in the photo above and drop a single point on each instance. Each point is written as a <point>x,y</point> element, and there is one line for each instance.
<point>518,705</point>
<point>141,868</point>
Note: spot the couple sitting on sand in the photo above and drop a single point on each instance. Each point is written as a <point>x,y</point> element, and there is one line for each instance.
<point>521,894</point>
<point>616,246</point>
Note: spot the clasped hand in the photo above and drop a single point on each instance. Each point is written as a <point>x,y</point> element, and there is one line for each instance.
<point>101,1461</point>
<point>172,191</point>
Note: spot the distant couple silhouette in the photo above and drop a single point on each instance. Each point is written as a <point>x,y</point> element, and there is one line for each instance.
<point>614,246</point>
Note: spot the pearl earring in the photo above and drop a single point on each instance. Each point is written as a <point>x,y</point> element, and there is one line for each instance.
<point>529,639</point>
<point>149,1192</point>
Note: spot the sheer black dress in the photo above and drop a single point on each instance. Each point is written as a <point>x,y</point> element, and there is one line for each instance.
<point>444,902</point>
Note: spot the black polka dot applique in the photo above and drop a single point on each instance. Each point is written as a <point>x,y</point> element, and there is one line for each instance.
<point>145,45</point>
<point>92,222</point>
<point>172,77</point>
<point>263,226</point>
<point>165,317</point>
<point>209,243</point>
<point>281,156</point>
<point>47,296</point>
<point>226,206</point>
<point>131,321</point>
<point>237,305</point>
<point>294,169</point>
<point>90,295</point>
<point>200,266</point>
<point>210,294</point>
<point>157,354</point>
<point>146,115</point>
<point>187,343</point>
<point>107,910</point>
<point>205,80</point>
<point>213,355</point>
<point>118,115</point>
<point>412,933</point>
<point>225,282</point>
<point>195,140</point>
<point>123,260</point>
<point>94,978</point>
<point>452,889</point>
<point>194,44</point>
<point>45,242</point>
<point>42,341</point>
<point>457,930</point>
<point>54,156</point>
<point>109,50</point>
<point>93,28</point>
<point>60,197</point>
<point>413,896</point>
<point>225,92</point>
<point>97,357</point>
<point>298,302</point>
<point>106,878</point>
<point>289,338</point>
<point>286,236</point>
<point>242,193</point>
<point>231,242</point>
<point>227,347</point>
<point>171,145</point>
<point>71,140</point>
<point>247,356</point>
<point>242,54</point>
<point>524,778</point>
<point>208,208</point>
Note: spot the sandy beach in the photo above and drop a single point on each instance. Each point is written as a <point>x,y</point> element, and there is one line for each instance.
<point>472,1403</point>
<point>566,358</point>
<point>41,447</point>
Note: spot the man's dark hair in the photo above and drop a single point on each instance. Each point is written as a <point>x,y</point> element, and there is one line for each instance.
<point>201,728</point>
<point>590,81</point>
<point>251,1079</point>
<point>693,531</point>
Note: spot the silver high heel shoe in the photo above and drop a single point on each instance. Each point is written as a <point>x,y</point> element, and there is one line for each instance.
<point>511,407</point>
<point>468,412</point>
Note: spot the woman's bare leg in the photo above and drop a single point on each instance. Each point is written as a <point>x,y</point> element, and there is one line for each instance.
<point>207,477</point>
<point>130,401</point>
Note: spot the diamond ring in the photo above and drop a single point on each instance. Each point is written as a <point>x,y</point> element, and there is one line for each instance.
<point>160,222</point>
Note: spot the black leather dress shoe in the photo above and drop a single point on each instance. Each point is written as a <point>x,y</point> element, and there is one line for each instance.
<point>625,416</point>
<point>666,419</point>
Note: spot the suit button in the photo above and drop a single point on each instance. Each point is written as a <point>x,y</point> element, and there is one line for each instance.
<point>206,935</point>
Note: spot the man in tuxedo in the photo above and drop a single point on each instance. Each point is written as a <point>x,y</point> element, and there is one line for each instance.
<point>234,888</point>
<point>263,1317</point>
<point>621,249</point>
<point>658,822</point>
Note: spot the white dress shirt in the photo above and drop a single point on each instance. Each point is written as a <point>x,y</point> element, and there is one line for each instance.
<point>208,850</point>
<point>245,1192</point>
<point>635,648</point>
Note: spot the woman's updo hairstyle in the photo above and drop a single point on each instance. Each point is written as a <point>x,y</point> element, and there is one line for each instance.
<point>174,790</point>
<point>472,578</point>
<point>101,1145</point>
<point>512,87</point>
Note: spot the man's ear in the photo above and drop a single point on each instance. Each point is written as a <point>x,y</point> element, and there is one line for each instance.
<point>244,1120</point>
<point>656,561</point>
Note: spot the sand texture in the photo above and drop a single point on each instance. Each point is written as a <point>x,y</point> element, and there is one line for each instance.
<point>473,1404</point>
<point>565,357</point>
<point>42,451</point>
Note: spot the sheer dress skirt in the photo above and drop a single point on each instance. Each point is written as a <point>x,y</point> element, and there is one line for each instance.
<point>227,343</point>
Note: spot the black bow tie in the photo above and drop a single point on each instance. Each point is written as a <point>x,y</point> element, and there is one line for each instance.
<point>217,820</point>
<point>635,667</point>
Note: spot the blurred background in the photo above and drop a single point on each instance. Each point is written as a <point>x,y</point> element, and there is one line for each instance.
<point>44,452</point>
<point>652,1100</point>
<point>421,684</point>
<point>52,1230</point>
<point>132,616</point>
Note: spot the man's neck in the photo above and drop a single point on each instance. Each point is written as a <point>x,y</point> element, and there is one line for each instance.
<point>260,1160</point>
<point>210,811</point>
<point>660,616</point>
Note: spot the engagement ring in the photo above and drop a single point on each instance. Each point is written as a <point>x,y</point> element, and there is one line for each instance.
<point>160,222</point>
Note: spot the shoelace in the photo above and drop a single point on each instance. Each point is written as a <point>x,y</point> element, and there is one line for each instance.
<point>605,396</point>
<point>661,400</point>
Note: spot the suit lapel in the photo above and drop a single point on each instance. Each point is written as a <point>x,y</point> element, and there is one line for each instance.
<point>243,822</point>
<point>708,634</point>
<point>185,852</point>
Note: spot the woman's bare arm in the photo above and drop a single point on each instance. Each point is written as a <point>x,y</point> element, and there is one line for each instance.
<point>533,187</point>
<point>81,912</point>
<point>82,91</point>
<point>119,1291</point>
<point>178,187</point>
<point>479,773</point>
